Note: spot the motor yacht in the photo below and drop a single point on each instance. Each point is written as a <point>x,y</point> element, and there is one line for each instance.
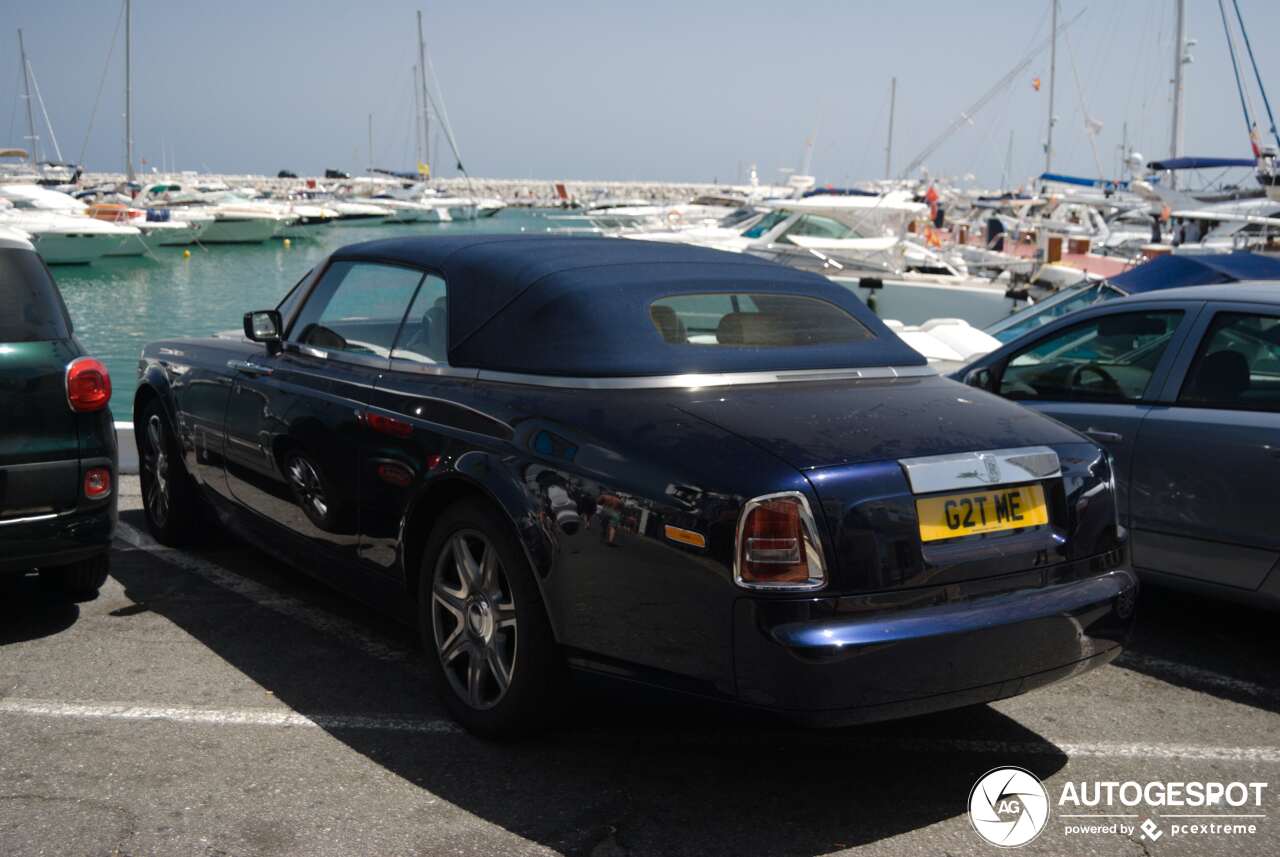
<point>59,226</point>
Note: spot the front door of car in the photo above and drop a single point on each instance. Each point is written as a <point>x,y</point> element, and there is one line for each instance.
<point>1097,375</point>
<point>294,419</point>
<point>1206,473</point>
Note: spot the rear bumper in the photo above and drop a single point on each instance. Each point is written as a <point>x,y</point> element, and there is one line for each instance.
<point>829,661</point>
<point>60,539</point>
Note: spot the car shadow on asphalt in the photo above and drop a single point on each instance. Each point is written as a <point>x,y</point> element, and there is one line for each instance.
<point>29,610</point>
<point>622,771</point>
<point>1207,645</point>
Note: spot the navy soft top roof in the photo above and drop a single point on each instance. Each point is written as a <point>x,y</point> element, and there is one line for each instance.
<point>580,306</point>
<point>1173,271</point>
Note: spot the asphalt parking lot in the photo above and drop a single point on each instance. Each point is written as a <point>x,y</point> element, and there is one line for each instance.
<point>211,703</point>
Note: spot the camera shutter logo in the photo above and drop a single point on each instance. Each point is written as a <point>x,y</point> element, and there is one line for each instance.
<point>1008,807</point>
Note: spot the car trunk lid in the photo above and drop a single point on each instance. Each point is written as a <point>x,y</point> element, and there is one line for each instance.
<point>811,425</point>
<point>873,449</point>
<point>39,441</point>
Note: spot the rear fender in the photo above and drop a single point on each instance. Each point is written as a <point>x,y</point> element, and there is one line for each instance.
<point>484,474</point>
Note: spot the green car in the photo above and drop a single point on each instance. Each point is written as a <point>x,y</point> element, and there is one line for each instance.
<point>58,464</point>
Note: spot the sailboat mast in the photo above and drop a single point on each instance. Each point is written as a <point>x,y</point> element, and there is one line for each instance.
<point>1053,72</point>
<point>1179,51</point>
<point>26,82</point>
<point>417,118</point>
<point>370,142</point>
<point>888,146</point>
<point>426,110</point>
<point>1008,163</point>
<point>128,90</point>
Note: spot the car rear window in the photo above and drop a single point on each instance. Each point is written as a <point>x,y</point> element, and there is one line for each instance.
<point>749,320</point>
<point>32,310</point>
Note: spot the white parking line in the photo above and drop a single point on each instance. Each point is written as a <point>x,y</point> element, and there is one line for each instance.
<point>1194,675</point>
<point>343,630</point>
<point>219,717</point>
<point>283,718</point>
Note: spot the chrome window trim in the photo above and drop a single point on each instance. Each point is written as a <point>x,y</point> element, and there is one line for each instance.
<point>721,379</point>
<point>812,547</point>
<point>442,370</point>
<point>980,469</point>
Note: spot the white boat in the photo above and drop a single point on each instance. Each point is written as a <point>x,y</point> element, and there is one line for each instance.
<point>400,210</point>
<point>311,220</point>
<point>489,206</point>
<point>444,209</point>
<point>359,213</point>
<point>14,239</point>
<point>157,228</point>
<point>231,218</point>
<point>60,229</point>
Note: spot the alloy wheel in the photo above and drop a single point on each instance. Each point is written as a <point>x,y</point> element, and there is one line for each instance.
<point>473,618</point>
<point>156,489</point>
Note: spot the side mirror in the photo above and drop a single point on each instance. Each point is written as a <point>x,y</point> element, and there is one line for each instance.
<point>980,378</point>
<point>263,326</point>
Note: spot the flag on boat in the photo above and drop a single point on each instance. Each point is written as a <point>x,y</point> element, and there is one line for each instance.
<point>424,170</point>
<point>1254,141</point>
<point>1035,84</point>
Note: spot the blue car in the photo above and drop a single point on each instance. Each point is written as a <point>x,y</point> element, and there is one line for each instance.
<point>1183,387</point>
<point>666,465</point>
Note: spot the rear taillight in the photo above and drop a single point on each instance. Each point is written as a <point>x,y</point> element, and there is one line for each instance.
<point>778,546</point>
<point>97,483</point>
<point>88,385</point>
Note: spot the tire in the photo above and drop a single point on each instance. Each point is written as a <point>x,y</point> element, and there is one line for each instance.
<point>170,500</point>
<point>79,581</point>
<point>488,641</point>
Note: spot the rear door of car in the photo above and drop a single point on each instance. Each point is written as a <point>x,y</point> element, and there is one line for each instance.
<point>295,419</point>
<point>1206,472</point>
<point>1100,372</point>
<point>39,440</point>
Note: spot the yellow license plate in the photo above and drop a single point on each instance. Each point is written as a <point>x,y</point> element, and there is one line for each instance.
<point>956,515</point>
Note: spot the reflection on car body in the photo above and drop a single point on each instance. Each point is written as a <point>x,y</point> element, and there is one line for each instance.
<point>658,463</point>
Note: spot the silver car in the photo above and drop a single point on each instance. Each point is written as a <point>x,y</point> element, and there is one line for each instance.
<point>1183,387</point>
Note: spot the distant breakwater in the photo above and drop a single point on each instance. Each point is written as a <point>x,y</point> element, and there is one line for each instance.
<point>517,192</point>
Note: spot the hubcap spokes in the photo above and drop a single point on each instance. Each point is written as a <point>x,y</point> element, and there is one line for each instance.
<point>473,618</point>
<point>306,482</point>
<point>156,463</point>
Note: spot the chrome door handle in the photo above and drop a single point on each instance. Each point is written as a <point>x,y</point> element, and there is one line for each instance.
<point>1099,434</point>
<point>249,368</point>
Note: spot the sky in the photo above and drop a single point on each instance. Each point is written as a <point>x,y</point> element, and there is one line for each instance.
<point>697,90</point>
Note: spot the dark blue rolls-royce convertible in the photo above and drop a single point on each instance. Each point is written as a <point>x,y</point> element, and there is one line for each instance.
<point>660,464</point>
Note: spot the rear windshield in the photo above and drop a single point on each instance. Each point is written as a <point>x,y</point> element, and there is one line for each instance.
<point>30,307</point>
<point>754,321</point>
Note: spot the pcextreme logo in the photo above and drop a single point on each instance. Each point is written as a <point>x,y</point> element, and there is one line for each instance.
<point>1010,806</point>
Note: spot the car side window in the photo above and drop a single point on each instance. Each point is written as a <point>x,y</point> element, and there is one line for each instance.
<point>1237,364</point>
<point>424,338</point>
<point>356,308</point>
<point>290,301</point>
<point>1106,359</point>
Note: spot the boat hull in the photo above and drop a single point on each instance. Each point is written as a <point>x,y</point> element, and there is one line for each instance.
<point>59,249</point>
<point>239,231</point>
<point>305,228</point>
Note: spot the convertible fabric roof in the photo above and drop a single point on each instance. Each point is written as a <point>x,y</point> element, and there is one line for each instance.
<point>580,306</point>
<point>1173,271</point>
